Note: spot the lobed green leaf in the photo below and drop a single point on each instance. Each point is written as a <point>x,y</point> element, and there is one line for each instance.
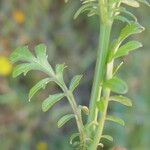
<point>24,68</point>
<point>75,82</point>
<point>39,62</point>
<point>21,54</point>
<point>41,55</point>
<point>38,86</point>
<point>51,100</point>
<point>59,72</point>
<point>65,119</point>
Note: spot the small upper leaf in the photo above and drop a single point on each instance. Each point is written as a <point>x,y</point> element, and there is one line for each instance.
<point>38,86</point>
<point>75,82</point>
<point>116,85</point>
<point>115,119</point>
<point>64,120</point>
<point>130,29</point>
<point>121,99</point>
<point>51,100</point>
<point>126,48</point>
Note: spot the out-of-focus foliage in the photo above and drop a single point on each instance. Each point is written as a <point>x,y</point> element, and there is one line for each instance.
<point>24,126</point>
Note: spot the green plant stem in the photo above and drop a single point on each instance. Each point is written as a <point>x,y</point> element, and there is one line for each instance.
<point>79,121</point>
<point>101,123</point>
<point>75,109</point>
<point>99,70</point>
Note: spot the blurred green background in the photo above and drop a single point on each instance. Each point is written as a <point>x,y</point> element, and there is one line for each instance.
<point>23,126</point>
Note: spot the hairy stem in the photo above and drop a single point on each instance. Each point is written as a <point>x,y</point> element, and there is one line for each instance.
<point>105,29</point>
<point>78,117</point>
<point>99,70</point>
<point>101,123</point>
<point>80,125</point>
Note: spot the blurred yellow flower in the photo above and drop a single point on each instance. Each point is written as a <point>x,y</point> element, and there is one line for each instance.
<point>42,146</point>
<point>18,16</point>
<point>5,66</point>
